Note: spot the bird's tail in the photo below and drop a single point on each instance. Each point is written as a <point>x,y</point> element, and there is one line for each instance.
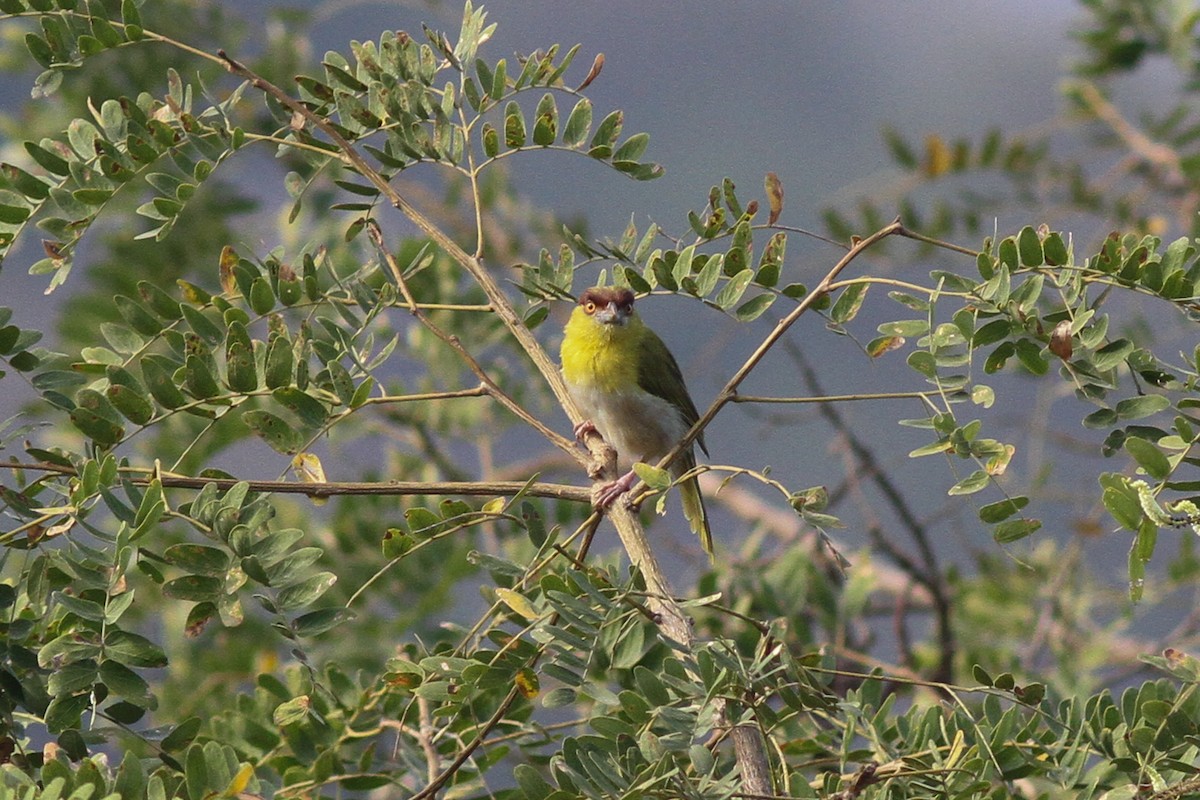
<point>693,507</point>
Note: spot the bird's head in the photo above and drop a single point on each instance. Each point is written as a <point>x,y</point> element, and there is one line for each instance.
<point>608,305</point>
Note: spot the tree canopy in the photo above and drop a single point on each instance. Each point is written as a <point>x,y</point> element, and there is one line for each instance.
<point>293,509</point>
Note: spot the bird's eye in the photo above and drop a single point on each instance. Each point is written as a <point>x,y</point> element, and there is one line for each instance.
<point>589,307</point>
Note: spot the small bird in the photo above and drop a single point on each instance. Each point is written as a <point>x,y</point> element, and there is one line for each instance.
<point>631,392</point>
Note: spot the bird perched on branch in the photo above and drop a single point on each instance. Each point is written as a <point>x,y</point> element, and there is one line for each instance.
<point>631,392</point>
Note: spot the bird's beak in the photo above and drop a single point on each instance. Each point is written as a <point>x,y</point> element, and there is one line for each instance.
<point>612,314</point>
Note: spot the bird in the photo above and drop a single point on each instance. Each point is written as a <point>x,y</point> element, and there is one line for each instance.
<point>631,391</point>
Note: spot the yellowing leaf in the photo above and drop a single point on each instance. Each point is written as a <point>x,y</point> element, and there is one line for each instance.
<point>527,683</point>
<point>517,602</point>
<point>240,780</point>
<point>225,267</point>
<point>493,506</point>
<point>937,156</point>
<point>307,467</point>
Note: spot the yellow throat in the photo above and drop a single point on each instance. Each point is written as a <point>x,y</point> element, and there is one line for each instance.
<point>601,356</point>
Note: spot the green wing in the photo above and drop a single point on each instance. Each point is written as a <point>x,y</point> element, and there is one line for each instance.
<point>659,374</point>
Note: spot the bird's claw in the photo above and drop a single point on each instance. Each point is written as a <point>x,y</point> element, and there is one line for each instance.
<point>606,495</point>
<point>583,429</point>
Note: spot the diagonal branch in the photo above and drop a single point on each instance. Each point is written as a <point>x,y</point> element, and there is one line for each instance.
<point>729,392</point>
<point>493,388</point>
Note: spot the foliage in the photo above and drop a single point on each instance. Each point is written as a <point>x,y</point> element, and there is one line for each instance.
<point>177,625</point>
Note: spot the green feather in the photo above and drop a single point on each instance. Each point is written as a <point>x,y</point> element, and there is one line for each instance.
<point>659,374</point>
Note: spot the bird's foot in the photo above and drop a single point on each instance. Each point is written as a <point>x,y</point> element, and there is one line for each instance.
<point>583,429</point>
<point>608,493</point>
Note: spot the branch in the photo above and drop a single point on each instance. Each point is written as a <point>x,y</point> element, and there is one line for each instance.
<point>493,388</point>
<point>729,392</point>
<point>141,477</point>
<point>832,398</point>
<point>926,573</point>
<point>1141,145</point>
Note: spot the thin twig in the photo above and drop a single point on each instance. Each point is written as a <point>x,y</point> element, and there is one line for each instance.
<point>831,398</point>
<point>493,388</point>
<point>927,572</point>
<point>729,391</point>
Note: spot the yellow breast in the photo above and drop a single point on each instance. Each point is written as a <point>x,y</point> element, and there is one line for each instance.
<point>601,357</point>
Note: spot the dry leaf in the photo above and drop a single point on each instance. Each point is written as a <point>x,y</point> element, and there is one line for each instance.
<point>1060,340</point>
<point>774,188</point>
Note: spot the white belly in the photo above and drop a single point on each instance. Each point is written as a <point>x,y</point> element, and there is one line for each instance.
<point>639,426</point>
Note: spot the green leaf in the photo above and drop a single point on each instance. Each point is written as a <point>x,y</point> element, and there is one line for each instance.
<point>159,301</point>
<point>652,476</point>
<point>579,124</point>
<point>907,328</point>
<point>632,148</point>
<point>311,411</point>
<point>278,365</point>
<point>1029,247</point>
<point>66,711</point>
<point>1014,530</point>
<point>261,298</point>
<point>137,315</point>
<point>923,362</point>
<point>321,621</point>
<point>1143,406</point>
<point>1112,354</point>
<point>99,428</point>
<point>182,735</point>
<point>975,482</point>
<point>274,431</point>
<point>848,303</point>
<point>199,379</point>
<point>530,782</point>
<point>133,650</point>
<point>198,558</point>
<point>123,681</point>
<point>1002,510</point>
<point>733,290</point>
<point>1030,356</point>
<point>133,404</point>
<point>305,592</point>
<point>754,308</point>
<point>1100,419</point>
<point>1148,457</point>
<point>157,372</point>
<point>195,587</point>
